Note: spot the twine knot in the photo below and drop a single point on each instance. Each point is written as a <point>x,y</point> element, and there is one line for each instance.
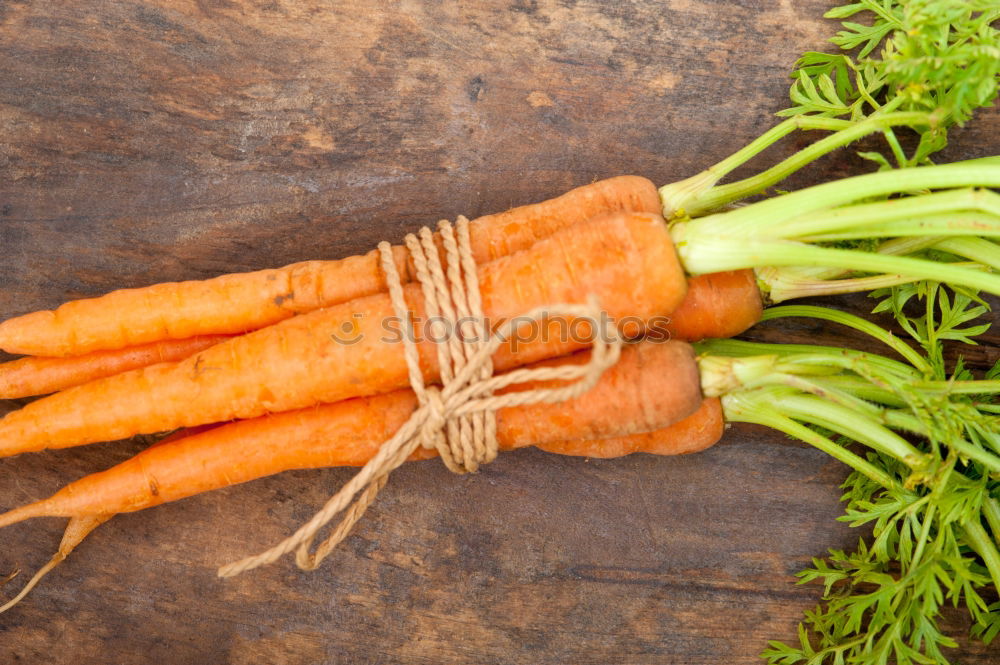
<point>433,429</point>
<point>458,419</point>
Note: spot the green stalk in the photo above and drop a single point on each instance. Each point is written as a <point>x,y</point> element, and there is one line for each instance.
<point>851,321</point>
<point>864,389</point>
<point>721,375</point>
<point>979,540</point>
<point>836,358</point>
<point>974,387</point>
<point>829,223</point>
<point>898,419</point>
<point>909,245</point>
<point>991,510</point>
<point>772,234</point>
<point>980,250</point>
<point>790,282</point>
<point>958,224</point>
<point>840,394</point>
<point>918,552</point>
<point>809,352</point>
<point>739,407</point>
<point>762,216</point>
<point>675,196</point>
<point>709,254</point>
<point>699,194</point>
<point>781,284</point>
<point>969,451</point>
<point>911,423</point>
<point>852,424</point>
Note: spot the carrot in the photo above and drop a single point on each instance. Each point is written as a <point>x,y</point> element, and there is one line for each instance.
<point>719,305</point>
<point>39,376</point>
<point>653,385</point>
<point>716,305</point>
<point>700,430</point>
<point>626,260</point>
<point>238,303</point>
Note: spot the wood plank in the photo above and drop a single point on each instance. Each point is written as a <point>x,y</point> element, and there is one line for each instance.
<point>161,140</point>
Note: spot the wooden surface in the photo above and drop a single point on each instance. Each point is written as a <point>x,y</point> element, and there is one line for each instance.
<point>150,141</point>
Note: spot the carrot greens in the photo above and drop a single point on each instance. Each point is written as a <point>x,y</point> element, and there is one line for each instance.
<point>928,484</point>
<point>919,65</point>
<point>797,229</point>
<point>926,478</point>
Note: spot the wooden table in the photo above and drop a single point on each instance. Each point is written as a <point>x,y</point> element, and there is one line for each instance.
<point>149,141</point>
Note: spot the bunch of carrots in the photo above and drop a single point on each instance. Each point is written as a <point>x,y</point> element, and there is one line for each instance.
<point>250,373</point>
<point>249,362</point>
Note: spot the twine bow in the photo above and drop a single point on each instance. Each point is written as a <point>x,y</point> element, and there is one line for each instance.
<point>459,419</point>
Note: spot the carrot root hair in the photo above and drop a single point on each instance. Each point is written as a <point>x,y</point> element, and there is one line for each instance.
<point>10,576</point>
<point>77,529</point>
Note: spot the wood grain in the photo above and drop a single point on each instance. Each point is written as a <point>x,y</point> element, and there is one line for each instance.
<point>161,140</point>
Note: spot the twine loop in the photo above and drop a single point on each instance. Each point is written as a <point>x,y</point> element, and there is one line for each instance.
<point>458,419</point>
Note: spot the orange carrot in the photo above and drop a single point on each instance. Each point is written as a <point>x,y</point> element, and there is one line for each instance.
<point>39,376</point>
<point>701,429</point>
<point>652,386</point>
<point>626,260</point>
<point>238,303</point>
<point>718,305</point>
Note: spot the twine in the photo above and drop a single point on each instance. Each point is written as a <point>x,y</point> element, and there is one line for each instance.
<point>458,419</point>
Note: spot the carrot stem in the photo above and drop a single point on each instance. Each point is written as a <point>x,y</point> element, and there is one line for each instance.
<point>991,509</point>
<point>762,217</point>
<point>776,232</point>
<point>854,424</point>
<point>720,253</point>
<point>980,250</point>
<point>782,285</point>
<point>743,407</point>
<point>851,321</point>
<point>790,282</point>
<point>809,353</point>
<point>865,390</point>
<point>909,422</point>
<point>979,540</point>
<point>700,194</point>
<point>840,223</point>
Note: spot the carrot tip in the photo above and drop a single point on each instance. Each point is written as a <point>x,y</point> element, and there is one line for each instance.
<point>55,561</point>
<point>77,529</point>
<point>21,513</point>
